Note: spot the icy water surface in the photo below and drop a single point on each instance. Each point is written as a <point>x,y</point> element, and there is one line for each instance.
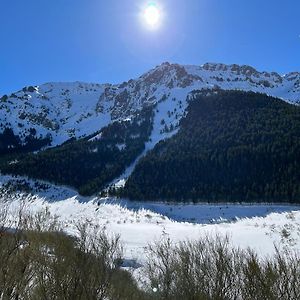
<point>207,213</point>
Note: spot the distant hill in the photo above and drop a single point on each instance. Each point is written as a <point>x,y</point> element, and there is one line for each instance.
<point>232,146</point>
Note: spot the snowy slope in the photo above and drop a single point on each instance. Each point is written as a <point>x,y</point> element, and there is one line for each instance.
<point>66,110</point>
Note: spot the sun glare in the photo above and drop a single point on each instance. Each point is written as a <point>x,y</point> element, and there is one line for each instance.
<point>152,15</point>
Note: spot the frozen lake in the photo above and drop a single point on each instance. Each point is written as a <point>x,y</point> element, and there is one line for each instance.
<point>206,213</point>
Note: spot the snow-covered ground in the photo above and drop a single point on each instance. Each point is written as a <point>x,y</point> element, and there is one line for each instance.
<point>260,227</point>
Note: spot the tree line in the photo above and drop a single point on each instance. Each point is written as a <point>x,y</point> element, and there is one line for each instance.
<point>11,143</point>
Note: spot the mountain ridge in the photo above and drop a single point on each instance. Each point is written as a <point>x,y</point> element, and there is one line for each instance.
<point>77,109</point>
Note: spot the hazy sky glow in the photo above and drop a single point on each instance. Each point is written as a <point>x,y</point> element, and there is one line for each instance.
<point>109,41</point>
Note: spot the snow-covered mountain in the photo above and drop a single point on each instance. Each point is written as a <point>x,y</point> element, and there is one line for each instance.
<point>67,110</point>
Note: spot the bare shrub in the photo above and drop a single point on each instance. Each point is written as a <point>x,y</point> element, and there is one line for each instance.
<point>212,269</point>
<point>272,278</point>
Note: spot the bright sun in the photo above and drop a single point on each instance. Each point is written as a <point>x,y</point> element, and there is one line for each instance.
<point>152,15</point>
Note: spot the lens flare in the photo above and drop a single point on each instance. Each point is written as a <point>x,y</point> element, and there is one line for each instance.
<point>152,15</point>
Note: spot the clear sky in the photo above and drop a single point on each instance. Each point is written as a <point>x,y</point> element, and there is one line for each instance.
<point>106,40</point>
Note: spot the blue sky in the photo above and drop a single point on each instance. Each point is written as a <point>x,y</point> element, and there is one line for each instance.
<point>105,41</point>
